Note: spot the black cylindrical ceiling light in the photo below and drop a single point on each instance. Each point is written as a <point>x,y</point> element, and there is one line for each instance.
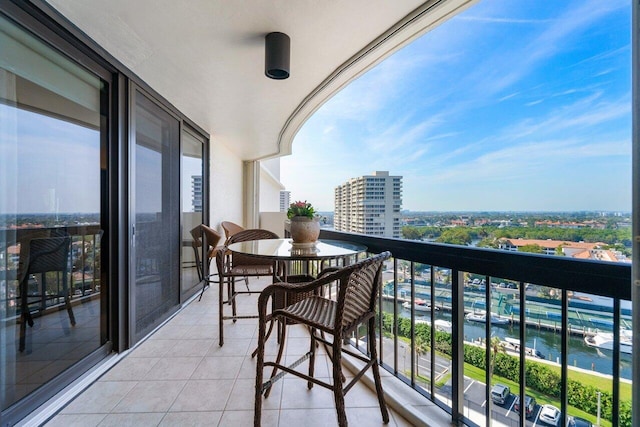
<point>276,56</point>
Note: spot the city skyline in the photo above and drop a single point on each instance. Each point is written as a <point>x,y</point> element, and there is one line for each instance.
<point>509,106</point>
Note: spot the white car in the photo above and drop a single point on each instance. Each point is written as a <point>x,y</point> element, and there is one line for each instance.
<point>549,414</point>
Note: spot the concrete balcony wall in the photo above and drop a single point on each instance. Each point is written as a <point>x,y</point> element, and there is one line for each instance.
<point>273,221</point>
<point>270,186</point>
<point>225,186</point>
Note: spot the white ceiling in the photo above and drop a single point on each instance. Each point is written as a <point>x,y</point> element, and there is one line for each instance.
<point>206,57</point>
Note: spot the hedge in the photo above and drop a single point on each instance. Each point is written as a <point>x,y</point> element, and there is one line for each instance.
<point>538,376</point>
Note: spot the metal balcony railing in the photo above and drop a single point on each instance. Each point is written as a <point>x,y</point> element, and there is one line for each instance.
<point>564,302</point>
<point>83,276</point>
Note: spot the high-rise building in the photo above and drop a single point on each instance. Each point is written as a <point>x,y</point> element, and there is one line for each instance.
<point>196,193</point>
<point>285,200</point>
<point>369,204</point>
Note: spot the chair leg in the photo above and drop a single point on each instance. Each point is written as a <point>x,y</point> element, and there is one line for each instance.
<point>280,352</point>
<point>232,297</point>
<point>23,333</point>
<point>376,370</point>
<point>221,311</point>
<point>338,391</point>
<point>312,358</point>
<point>67,303</point>
<point>25,315</point>
<point>257,414</point>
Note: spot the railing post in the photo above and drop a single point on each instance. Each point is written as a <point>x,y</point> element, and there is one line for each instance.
<point>457,389</point>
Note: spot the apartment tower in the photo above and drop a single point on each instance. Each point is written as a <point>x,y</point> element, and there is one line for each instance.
<point>369,204</point>
<point>285,200</point>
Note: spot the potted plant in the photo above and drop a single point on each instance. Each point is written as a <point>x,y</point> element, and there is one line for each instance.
<point>305,227</point>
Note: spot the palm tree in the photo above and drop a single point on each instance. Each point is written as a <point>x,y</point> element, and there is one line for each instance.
<point>497,346</point>
<point>422,348</point>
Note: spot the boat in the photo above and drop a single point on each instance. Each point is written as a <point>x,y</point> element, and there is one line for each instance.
<point>441,324</point>
<point>482,317</point>
<point>419,305</point>
<point>604,341</point>
<point>513,345</point>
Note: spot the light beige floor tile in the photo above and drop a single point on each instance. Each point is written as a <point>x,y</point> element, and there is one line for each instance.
<point>173,368</point>
<point>203,332</point>
<point>245,418</point>
<point>76,420</point>
<point>151,396</point>
<point>239,330</point>
<point>243,396</point>
<point>203,395</point>
<point>170,332</point>
<point>153,348</point>
<point>231,347</point>
<point>101,397</point>
<point>191,419</point>
<point>211,368</point>
<point>296,395</point>
<point>130,369</point>
<point>132,420</point>
<point>309,418</point>
<point>191,348</point>
<point>367,417</point>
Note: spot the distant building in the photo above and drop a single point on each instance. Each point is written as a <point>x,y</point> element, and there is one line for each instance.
<point>196,193</point>
<point>285,200</point>
<point>581,250</point>
<point>370,205</point>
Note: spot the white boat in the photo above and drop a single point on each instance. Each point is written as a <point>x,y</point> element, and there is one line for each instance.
<point>441,324</point>
<point>482,317</point>
<point>419,305</point>
<point>604,341</point>
<point>513,345</point>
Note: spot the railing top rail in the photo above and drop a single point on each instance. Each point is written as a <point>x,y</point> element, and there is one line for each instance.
<point>608,279</point>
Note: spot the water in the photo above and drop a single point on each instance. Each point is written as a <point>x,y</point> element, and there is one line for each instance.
<point>548,343</point>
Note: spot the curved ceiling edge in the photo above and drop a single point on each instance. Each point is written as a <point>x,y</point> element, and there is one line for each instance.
<point>423,19</point>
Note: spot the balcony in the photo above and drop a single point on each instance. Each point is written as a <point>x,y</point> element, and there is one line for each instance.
<point>204,383</point>
<point>180,376</point>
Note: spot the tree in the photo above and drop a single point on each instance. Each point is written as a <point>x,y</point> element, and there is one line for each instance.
<point>411,233</point>
<point>422,348</point>
<point>455,236</point>
<point>534,249</point>
<point>496,346</point>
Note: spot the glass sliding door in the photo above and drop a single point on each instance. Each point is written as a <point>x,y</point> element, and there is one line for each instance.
<point>155,215</point>
<point>53,133</point>
<point>193,198</point>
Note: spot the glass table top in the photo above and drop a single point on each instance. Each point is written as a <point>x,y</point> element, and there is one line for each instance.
<point>285,249</point>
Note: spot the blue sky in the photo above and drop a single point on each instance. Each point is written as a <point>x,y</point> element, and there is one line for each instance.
<point>512,105</point>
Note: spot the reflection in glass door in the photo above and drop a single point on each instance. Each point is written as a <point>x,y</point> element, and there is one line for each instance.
<point>192,206</point>
<point>53,131</point>
<point>155,213</point>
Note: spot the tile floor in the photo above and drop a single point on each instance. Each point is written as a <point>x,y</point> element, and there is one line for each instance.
<point>179,376</point>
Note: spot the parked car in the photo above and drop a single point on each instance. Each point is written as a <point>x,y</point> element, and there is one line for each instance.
<point>549,414</point>
<point>529,405</point>
<point>578,422</point>
<point>500,393</point>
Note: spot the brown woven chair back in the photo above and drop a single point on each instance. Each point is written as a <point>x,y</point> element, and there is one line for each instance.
<point>245,236</point>
<point>48,254</point>
<point>230,228</point>
<point>360,293</point>
<point>200,233</point>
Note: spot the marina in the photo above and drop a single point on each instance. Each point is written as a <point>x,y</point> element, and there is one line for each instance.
<point>589,325</point>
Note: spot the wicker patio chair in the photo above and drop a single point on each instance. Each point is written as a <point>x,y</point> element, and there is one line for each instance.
<point>203,233</point>
<point>48,254</point>
<point>233,265</point>
<point>230,228</point>
<point>358,286</point>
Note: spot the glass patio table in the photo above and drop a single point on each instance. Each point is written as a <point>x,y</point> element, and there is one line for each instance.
<point>301,260</point>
